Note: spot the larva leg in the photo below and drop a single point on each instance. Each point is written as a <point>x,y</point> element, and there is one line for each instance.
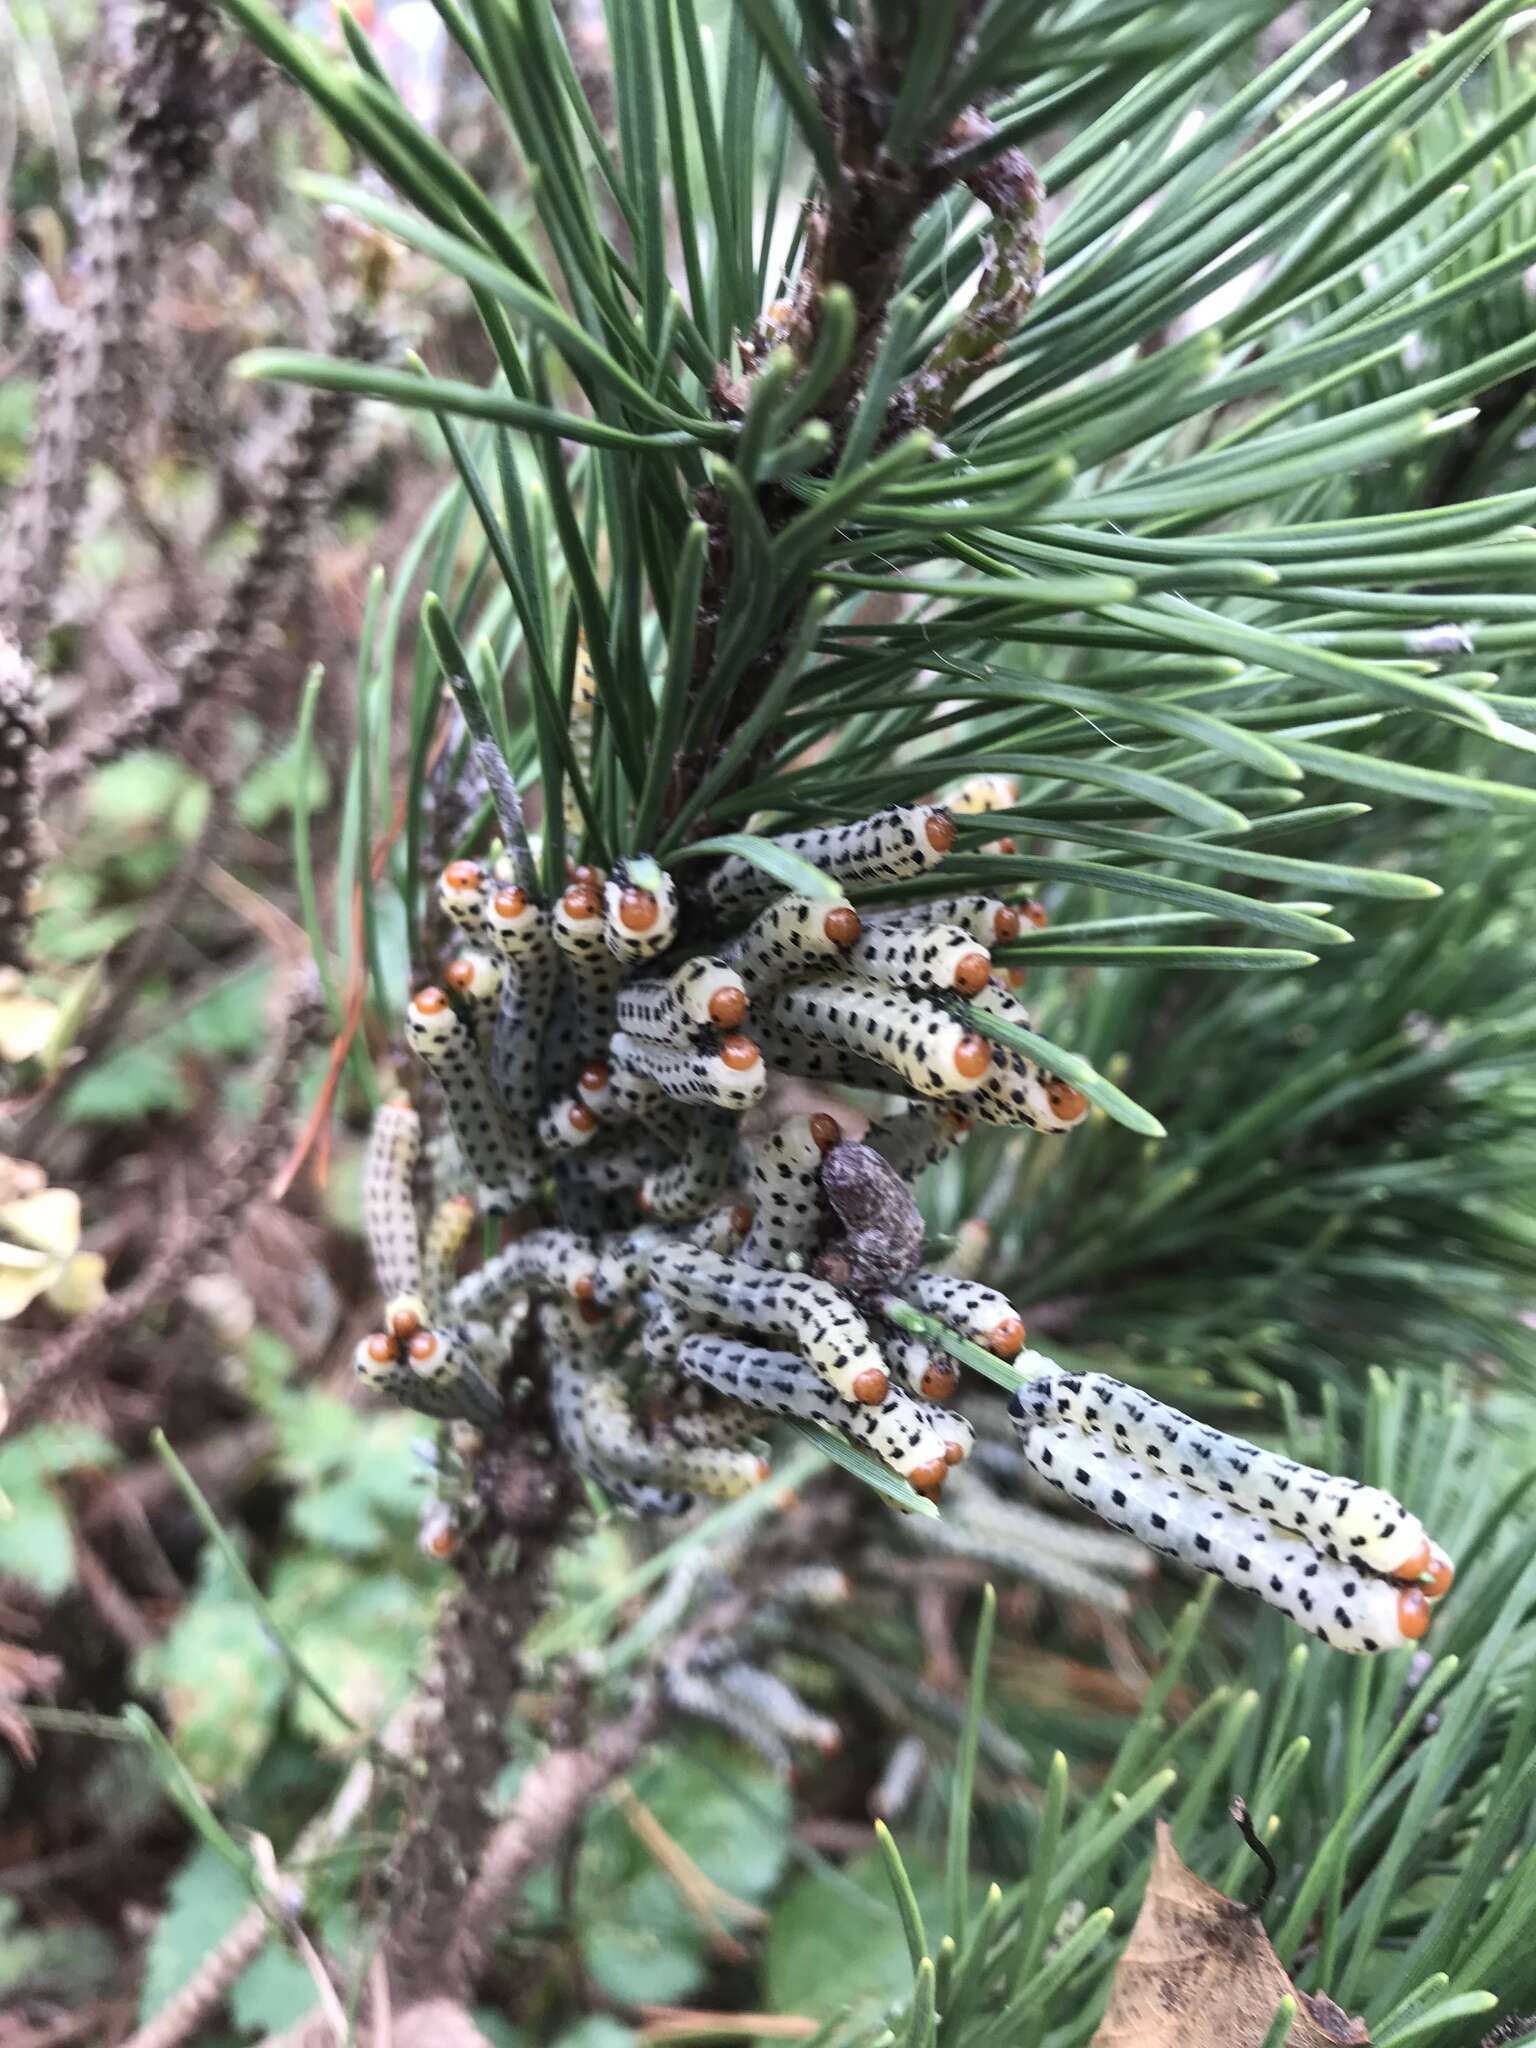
<point>826,1326</point>
<point>691,1185</point>
<point>891,846</point>
<point>784,1189</point>
<point>975,1311</point>
<point>917,1138</point>
<point>497,1153</point>
<point>720,1472</point>
<point>552,1261</point>
<point>639,910</point>
<point>447,1234</point>
<point>932,1052</point>
<point>937,957</point>
<point>389,1207</point>
<point>793,936</point>
<point>701,994</point>
<point>730,1075</point>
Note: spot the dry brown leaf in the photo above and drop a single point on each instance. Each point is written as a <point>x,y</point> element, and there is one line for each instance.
<point>1199,1972</point>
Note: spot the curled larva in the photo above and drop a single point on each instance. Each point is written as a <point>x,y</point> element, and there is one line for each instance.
<point>905,840</point>
<point>555,1262</point>
<point>812,1313</point>
<point>1342,1604</point>
<point>939,957</point>
<point>461,891</point>
<point>566,1125</point>
<point>718,1471</point>
<point>447,1234</point>
<point>901,1432</point>
<point>930,1051</point>
<point>920,1136</point>
<point>566,1346</point>
<point>389,1207</point>
<point>1354,1523</point>
<point>980,1313</point>
<point>794,934</point>
<point>784,1188</point>
<point>692,1183</point>
<point>497,1153</point>
<point>639,915</point>
<point>730,1075</point>
<point>1016,1091</point>
<point>700,994</point>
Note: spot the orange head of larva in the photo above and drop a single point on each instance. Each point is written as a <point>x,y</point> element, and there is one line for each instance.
<point>954,1452</point>
<point>441,1541</point>
<point>740,1054</point>
<point>1005,924</point>
<point>580,902</point>
<point>1006,1338</point>
<point>740,1218</point>
<point>941,1376</point>
<point>460,976</point>
<point>581,1119</point>
<point>404,1321</point>
<point>871,1385</point>
<point>1414,1565</point>
<point>1068,1102</point>
<point>826,1131</point>
<point>584,1287</point>
<point>727,1007</point>
<point>1413,1615</point>
<point>638,910</point>
<point>1015,977</point>
<point>1007,846</point>
<point>929,1479</point>
<point>593,1078</point>
<point>382,1350</point>
<point>972,973</point>
<point>1440,1576</point>
<point>429,1002</point>
<point>463,877</point>
<point>424,1347</point>
<point>1036,913</point>
<point>973,1056</point>
<point>586,877</point>
<point>509,904</point>
<point>591,1311</point>
<point>842,924</point>
<point>939,831</point>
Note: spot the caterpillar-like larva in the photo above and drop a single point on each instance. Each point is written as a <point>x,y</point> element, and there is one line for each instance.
<point>1343,1605</point>
<point>932,1052</point>
<point>567,1125</point>
<point>979,794</point>
<point>793,934</point>
<point>579,724</point>
<point>902,1433</point>
<point>432,1371</point>
<point>988,919</point>
<point>722,1422</point>
<point>932,1375</point>
<point>779,1707</point>
<point>617,1095</point>
<point>1016,1091</point>
<point>938,957</point>
<point>497,1153</point>
<point>639,916</point>
<point>823,1322</point>
<point>621,1445</point>
<point>520,933</point>
<point>553,1261</point>
<point>784,1189</point>
<point>730,1075</point>
<point>918,1137</point>
<point>692,1184</point>
<point>791,1052</point>
<point>1356,1524</point>
<point>389,1206</point>
<point>447,1234</point>
<point>576,925</point>
<point>702,993</point>
<point>980,1313</point>
<point>891,846</point>
<point>461,892</point>
<point>699,1693</point>
<point>567,1348</point>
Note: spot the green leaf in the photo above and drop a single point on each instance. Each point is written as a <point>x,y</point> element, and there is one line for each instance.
<point>205,1899</point>
<point>1070,1066</point>
<point>836,1943</point>
<point>36,1539</point>
<point>221,1684</point>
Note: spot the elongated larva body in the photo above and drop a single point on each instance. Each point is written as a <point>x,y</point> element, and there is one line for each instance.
<point>550,1261</point>
<point>617,1094</point>
<point>639,920</point>
<point>905,840</point>
<point>567,1125</point>
<point>1016,1091</point>
<point>731,1075</point>
<point>794,935</point>
<point>718,1471</point>
<point>723,1422</point>
<point>989,920</point>
<point>447,1235</point>
<point>692,1184</point>
<point>931,1374</point>
<point>919,1137</point>
<point>461,890</point>
<point>784,1189</point>
<point>700,1694</point>
<point>520,933</point>
<point>474,982</point>
<point>701,994</point>
<point>1349,1521</point>
<point>1341,1604</point>
<point>497,1154</point>
<point>791,1052</point>
<point>779,1707</point>
<point>568,1377</point>
<point>930,1051</point>
<point>811,1312</point>
<point>942,958</point>
<point>432,1371</point>
<point>389,1206</point>
<point>980,1313</point>
<point>902,1433</point>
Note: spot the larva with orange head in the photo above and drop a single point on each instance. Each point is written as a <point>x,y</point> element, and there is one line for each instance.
<point>970,1309</point>
<point>461,890</point>
<point>793,935</point>
<point>566,1125</point>
<point>944,958</point>
<point>692,1184</point>
<point>520,932</point>
<point>576,925</point>
<point>730,1075</point>
<point>639,910</point>
<point>989,920</point>
<point>621,1445</point>
<point>891,846</point>
<point>474,984</point>
<point>1017,1091</point>
<point>926,1049</point>
<point>784,1189</point>
<point>498,1154</point>
<point>982,793</point>
<point>568,1378</point>
<point>930,1373</point>
<point>555,1262</point>
<point>702,994</point>
<point>389,1207</point>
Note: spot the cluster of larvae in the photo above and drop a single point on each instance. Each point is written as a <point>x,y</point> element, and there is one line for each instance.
<point>685,1256</point>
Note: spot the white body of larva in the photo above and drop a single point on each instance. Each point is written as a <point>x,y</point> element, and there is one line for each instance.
<point>729,1076</point>
<point>551,1261</point>
<point>791,1052</point>
<point>1356,1524</point>
<point>639,923</point>
<point>567,1388</point>
<point>497,1154</point>
<point>795,934</point>
<point>719,1471</point>
<point>692,1184</point>
<point>988,919</point>
<point>1016,1091</point>
<point>811,1312</point>
<point>914,1139</point>
<point>902,1433</point>
<point>779,1706</point>
<point>519,930</point>
<point>906,840</point>
<point>938,957</point>
<point>389,1207</point>
<point>784,1189</point>
<point>447,1234</point>
<point>980,1313</point>
<point>701,994</point>
<point>461,889</point>
<point>930,1051</point>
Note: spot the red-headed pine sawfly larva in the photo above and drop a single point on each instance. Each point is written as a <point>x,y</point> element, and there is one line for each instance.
<point>829,1330</point>
<point>970,1309</point>
<point>702,993</point>
<point>691,1185</point>
<point>639,910</point>
<point>620,1444</point>
<point>498,1154</point>
<point>576,925</point>
<point>723,1422</point>
<point>389,1204</point>
<point>579,725</point>
<point>784,1189</point>
<point>616,1094</point>
<point>568,1375</point>
<point>516,926</point>
<point>474,988</point>
<point>432,1371</point>
<point>930,1051</point>
<point>1343,1605</point>
<point>891,846</point>
<point>447,1234</point>
<point>554,1262</point>
<point>1355,1524</point>
<point>1017,1091</point>
<point>698,1693</point>
<point>943,958</point>
<point>461,890</point>
<point>918,1137</point>
<point>439,1536</point>
<point>989,920</point>
<point>779,1707</point>
<point>730,1075</point>
<point>567,1125</point>
<point>902,1433</point>
<point>979,794</point>
<point>793,934</point>
<point>931,1374</point>
<point>790,1052</point>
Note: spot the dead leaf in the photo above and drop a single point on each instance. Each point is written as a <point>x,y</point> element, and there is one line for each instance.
<point>1199,1972</point>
